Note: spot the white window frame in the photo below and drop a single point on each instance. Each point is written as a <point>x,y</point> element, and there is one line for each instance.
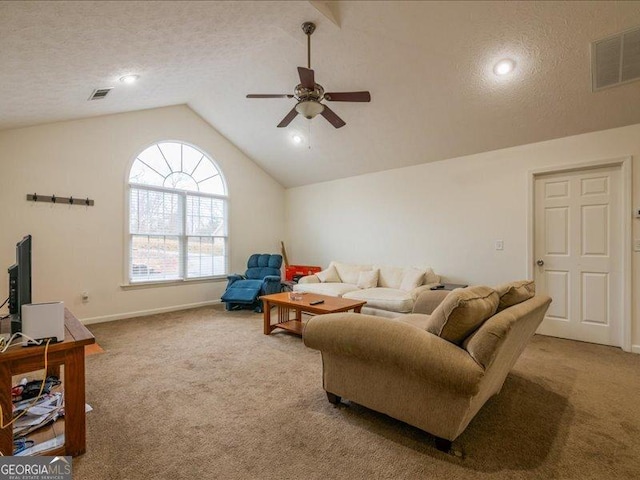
<point>183,237</point>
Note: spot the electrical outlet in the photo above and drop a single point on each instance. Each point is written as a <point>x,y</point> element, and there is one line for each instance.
<point>85,296</point>
<point>499,244</point>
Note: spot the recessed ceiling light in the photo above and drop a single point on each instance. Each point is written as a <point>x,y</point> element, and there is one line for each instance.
<point>504,66</point>
<point>297,139</point>
<point>129,78</point>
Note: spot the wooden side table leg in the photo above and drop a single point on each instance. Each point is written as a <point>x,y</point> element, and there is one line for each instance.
<point>357,309</point>
<point>6,434</point>
<point>266,309</point>
<point>74,400</point>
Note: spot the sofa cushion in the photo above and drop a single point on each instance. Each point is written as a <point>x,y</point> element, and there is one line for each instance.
<point>378,312</point>
<point>430,276</point>
<point>368,279</point>
<point>411,279</point>
<point>429,300</point>
<point>462,312</point>
<point>390,299</point>
<point>349,273</point>
<point>513,293</point>
<point>416,319</point>
<point>330,275</point>
<point>389,277</point>
<point>392,277</point>
<point>331,289</point>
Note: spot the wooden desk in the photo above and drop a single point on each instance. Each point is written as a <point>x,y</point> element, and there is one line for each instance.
<point>70,353</point>
<point>330,305</point>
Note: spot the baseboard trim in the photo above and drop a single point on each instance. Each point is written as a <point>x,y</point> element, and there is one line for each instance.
<point>142,313</point>
<point>635,348</point>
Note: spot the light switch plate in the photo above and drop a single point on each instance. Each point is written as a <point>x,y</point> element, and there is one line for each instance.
<point>499,244</point>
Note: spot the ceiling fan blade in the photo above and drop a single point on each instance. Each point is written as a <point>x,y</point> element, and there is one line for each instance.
<point>307,77</point>
<point>332,118</point>
<point>348,97</point>
<point>268,95</point>
<point>287,120</point>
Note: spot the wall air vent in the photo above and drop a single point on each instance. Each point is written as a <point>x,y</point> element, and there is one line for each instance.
<point>100,93</point>
<point>615,60</point>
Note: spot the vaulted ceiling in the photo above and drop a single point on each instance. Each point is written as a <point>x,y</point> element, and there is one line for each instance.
<point>428,66</point>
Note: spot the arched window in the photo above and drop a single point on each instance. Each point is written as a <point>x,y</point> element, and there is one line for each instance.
<point>177,215</point>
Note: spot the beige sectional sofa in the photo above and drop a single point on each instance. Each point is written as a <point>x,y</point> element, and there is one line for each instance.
<point>388,291</point>
<point>434,371</point>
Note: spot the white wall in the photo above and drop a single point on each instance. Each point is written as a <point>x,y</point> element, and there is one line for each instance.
<point>79,248</point>
<point>446,214</point>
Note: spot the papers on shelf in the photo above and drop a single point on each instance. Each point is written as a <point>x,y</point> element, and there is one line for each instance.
<point>32,416</point>
<point>44,446</point>
<point>46,410</point>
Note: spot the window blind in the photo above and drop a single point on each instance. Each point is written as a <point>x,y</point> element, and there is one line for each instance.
<point>167,227</point>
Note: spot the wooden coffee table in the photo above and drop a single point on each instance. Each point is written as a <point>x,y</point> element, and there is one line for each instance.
<point>285,306</point>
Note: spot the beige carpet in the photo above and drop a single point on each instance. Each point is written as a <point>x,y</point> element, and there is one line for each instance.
<point>203,394</point>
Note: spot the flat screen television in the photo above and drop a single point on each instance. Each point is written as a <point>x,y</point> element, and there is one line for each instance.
<point>20,282</point>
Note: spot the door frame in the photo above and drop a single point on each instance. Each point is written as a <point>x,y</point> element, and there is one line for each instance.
<point>624,163</point>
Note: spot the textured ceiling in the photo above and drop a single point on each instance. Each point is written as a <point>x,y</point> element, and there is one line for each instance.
<point>427,66</point>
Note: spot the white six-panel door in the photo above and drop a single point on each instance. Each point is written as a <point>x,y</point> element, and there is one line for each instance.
<point>578,236</point>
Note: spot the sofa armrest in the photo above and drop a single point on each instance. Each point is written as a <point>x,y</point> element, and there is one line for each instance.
<point>416,292</point>
<point>309,279</point>
<point>428,300</point>
<point>396,344</point>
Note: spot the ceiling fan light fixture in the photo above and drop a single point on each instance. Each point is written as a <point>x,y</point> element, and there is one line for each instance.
<point>309,108</point>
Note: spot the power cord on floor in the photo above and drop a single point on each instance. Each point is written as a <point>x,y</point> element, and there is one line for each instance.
<point>37,397</point>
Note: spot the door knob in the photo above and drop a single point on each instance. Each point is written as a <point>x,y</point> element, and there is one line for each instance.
<point>540,263</point>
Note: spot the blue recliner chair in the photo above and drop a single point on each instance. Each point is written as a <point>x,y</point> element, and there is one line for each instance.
<point>261,278</point>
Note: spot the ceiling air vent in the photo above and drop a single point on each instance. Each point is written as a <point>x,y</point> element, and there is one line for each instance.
<point>616,60</point>
<point>100,93</point>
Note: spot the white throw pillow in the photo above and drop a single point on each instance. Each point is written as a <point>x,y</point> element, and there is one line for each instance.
<point>330,275</point>
<point>348,273</point>
<point>411,279</point>
<point>368,279</point>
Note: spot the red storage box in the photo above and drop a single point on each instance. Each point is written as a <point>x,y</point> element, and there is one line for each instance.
<point>293,271</point>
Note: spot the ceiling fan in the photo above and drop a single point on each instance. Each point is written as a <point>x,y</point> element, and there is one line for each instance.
<point>310,94</point>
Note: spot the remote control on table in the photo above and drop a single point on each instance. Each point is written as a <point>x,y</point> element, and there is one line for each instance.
<point>317,302</point>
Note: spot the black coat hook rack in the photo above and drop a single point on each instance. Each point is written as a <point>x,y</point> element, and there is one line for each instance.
<point>34,197</point>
